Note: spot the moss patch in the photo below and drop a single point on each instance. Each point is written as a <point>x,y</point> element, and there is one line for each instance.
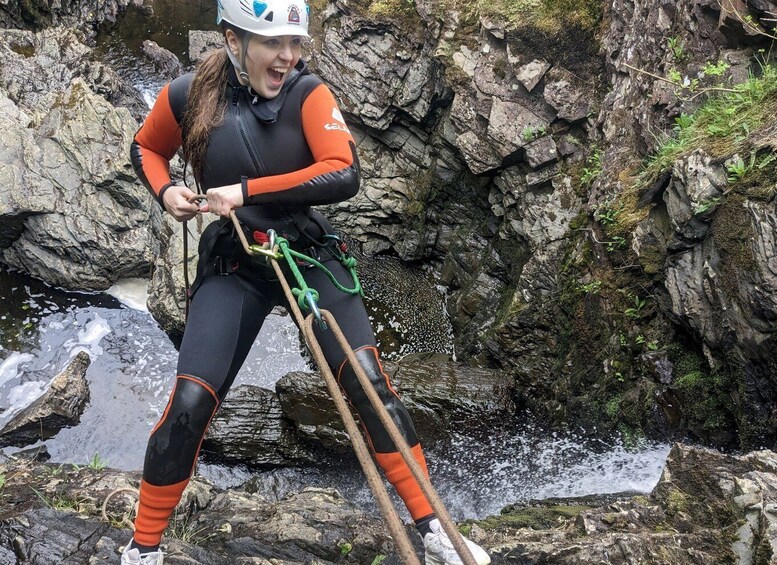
<point>732,231</point>
<point>705,394</point>
<point>536,518</point>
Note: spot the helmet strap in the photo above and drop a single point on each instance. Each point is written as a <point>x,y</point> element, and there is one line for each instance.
<point>240,63</point>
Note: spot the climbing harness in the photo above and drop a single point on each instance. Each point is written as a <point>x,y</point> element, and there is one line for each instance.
<point>305,298</point>
<point>278,248</point>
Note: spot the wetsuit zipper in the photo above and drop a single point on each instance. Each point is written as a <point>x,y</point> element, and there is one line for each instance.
<point>238,116</point>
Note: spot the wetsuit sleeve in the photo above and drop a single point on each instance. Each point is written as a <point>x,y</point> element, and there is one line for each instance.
<point>334,175</point>
<point>156,143</point>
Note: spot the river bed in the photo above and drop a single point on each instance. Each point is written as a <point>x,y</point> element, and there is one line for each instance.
<point>133,363</point>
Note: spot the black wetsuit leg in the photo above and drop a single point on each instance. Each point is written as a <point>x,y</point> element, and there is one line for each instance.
<point>351,316</point>
<point>224,320</point>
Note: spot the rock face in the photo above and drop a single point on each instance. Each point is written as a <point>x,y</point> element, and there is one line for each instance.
<point>707,508</point>
<point>251,428</point>
<point>73,213</point>
<point>35,15</point>
<point>60,406</point>
<point>210,527</point>
<point>515,183</point>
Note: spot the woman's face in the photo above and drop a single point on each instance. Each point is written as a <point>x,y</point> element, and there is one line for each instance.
<point>269,61</point>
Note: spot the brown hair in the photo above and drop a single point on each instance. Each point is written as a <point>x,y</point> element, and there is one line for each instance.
<point>205,108</point>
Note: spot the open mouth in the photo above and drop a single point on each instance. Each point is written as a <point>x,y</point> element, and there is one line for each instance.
<point>276,75</point>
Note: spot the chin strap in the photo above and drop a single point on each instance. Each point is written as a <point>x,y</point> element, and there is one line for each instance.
<point>240,64</point>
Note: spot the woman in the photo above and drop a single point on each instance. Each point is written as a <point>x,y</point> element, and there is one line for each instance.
<point>265,138</point>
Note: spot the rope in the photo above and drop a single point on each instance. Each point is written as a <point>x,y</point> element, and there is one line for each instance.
<point>406,551</point>
<point>374,479</point>
<point>291,256</point>
<point>395,526</point>
<point>124,519</point>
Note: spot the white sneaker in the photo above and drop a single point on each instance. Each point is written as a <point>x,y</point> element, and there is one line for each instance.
<point>133,557</point>
<point>440,551</point>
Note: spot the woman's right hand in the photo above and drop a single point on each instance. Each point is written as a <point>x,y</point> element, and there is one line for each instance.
<point>176,201</point>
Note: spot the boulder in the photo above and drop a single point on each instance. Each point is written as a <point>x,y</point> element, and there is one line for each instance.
<point>60,406</point>
<point>708,508</point>
<point>73,213</point>
<point>63,514</point>
<point>39,14</point>
<point>203,42</point>
<point>440,396</point>
<point>250,428</point>
<point>165,62</point>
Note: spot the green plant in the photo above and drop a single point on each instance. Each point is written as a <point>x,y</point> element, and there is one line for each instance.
<point>592,287</point>
<point>738,168</point>
<point>635,312</point>
<point>612,408</point>
<point>707,204</point>
<point>652,345</point>
<point>616,242</point>
<point>677,48</point>
<point>532,133</point>
<point>721,125</point>
<point>640,339</point>
<point>96,463</point>
<point>183,528</point>
<point>2,482</point>
<point>593,168</point>
<point>715,69</point>
<point>345,547</point>
<point>683,121</point>
<point>64,502</point>
<point>380,558</point>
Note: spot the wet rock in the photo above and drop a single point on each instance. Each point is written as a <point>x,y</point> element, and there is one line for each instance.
<point>218,527</point>
<point>691,516</point>
<point>167,290</point>
<point>439,394</point>
<point>203,42</point>
<point>39,65</point>
<point>39,14</point>
<point>250,428</point>
<point>164,61</point>
<point>60,406</point>
<point>76,216</point>
<point>708,507</point>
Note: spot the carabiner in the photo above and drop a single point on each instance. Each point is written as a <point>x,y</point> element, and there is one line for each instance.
<point>271,237</point>
<point>264,252</point>
<point>314,309</point>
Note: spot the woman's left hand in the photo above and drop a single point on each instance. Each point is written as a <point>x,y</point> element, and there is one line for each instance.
<point>223,199</point>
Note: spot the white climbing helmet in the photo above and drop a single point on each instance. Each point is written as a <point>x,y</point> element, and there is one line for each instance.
<point>269,17</point>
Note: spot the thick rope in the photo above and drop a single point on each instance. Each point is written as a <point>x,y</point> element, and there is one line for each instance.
<point>374,479</point>
<point>397,530</point>
<point>126,518</point>
<point>407,553</point>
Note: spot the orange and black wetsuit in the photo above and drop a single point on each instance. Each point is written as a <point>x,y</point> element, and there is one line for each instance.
<point>289,153</point>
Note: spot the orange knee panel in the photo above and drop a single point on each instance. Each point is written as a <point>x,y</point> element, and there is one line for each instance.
<point>398,474</point>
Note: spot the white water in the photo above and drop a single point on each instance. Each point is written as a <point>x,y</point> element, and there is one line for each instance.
<point>131,292</point>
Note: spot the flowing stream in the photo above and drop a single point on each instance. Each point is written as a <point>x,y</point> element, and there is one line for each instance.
<point>133,363</point>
